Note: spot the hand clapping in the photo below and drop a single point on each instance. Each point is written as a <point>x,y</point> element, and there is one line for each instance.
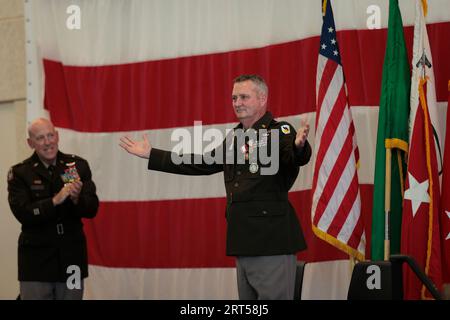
<point>302,134</point>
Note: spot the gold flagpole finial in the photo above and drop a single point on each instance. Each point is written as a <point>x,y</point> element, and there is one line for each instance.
<point>324,7</point>
<point>425,7</point>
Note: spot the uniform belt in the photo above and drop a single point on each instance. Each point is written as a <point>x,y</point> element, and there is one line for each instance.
<point>270,196</point>
<point>60,229</point>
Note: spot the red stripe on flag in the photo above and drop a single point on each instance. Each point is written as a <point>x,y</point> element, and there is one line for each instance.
<point>159,234</point>
<point>334,177</point>
<point>327,76</point>
<point>357,231</point>
<point>345,207</point>
<point>138,92</point>
<point>187,233</point>
<point>329,131</point>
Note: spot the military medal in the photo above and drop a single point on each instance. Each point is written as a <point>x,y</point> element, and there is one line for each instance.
<point>251,145</point>
<point>253,168</point>
<point>244,150</point>
<point>70,174</point>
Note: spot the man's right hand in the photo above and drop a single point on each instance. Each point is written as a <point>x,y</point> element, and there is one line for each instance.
<point>140,148</point>
<point>62,195</point>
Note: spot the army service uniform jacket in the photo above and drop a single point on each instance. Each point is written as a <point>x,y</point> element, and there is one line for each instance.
<point>52,237</point>
<point>260,219</point>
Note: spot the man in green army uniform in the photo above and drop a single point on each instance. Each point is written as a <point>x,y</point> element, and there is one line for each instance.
<point>49,193</point>
<point>263,230</point>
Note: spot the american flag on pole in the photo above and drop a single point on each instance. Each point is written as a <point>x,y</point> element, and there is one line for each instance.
<point>336,205</point>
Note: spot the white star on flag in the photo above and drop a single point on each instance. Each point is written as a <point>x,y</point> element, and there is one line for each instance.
<point>333,41</point>
<point>324,46</point>
<point>330,29</point>
<point>417,193</point>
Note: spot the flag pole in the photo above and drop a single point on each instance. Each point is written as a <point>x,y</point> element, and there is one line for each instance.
<point>351,265</point>
<point>387,205</point>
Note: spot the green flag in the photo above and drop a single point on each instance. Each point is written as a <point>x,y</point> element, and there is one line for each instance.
<point>393,134</point>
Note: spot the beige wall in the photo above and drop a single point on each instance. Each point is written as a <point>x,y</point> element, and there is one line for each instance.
<point>12,131</point>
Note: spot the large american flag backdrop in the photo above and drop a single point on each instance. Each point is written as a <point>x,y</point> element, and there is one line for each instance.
<point>140,66</point>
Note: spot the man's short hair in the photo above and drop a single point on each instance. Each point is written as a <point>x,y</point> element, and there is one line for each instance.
<point>256,79</point>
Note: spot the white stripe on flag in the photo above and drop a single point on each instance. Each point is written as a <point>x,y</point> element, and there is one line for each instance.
<point>141,186</point>
<point>341,189</point>
<point>329,100</point>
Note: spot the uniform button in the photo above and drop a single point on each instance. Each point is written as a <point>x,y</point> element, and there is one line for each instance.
<point>236,184</point>
<point>264,212</point>
<point>238,173</point>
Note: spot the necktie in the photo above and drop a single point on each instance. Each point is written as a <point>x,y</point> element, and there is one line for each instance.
<point>51,169</point>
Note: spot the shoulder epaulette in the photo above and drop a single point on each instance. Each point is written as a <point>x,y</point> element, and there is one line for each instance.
<point>26,161</point>
<point>71,157</point>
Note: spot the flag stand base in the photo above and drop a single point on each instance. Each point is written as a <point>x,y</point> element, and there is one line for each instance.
<point>299,280</point>
<point>383,280</point>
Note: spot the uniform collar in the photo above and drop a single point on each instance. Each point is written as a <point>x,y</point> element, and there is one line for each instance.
<point>262,123</point>
<point>36,160</point>
<point>41,168</point>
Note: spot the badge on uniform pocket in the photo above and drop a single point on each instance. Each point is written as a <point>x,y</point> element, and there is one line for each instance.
<point>35,187</point>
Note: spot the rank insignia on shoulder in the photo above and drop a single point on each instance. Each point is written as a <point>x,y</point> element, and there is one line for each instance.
<point>285,129</point>
<point>10,174</point>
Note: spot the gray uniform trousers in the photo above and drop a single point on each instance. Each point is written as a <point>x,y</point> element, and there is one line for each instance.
<point>266,277</point>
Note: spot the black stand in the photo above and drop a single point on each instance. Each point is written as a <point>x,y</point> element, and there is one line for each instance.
<point>299,280</point>
<point>383,280</point>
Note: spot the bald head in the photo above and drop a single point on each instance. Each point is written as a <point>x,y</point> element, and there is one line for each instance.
<point>37,124</point>
<point>43,138</point>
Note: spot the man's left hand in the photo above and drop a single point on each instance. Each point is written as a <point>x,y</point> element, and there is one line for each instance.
<point>302,134</point>
<point>75,190</point>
